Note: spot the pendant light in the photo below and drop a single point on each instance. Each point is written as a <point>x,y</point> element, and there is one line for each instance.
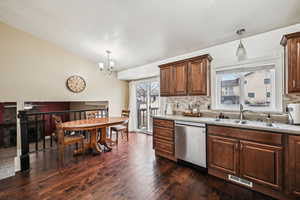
<point>241,53</point>
<point>109,65</point>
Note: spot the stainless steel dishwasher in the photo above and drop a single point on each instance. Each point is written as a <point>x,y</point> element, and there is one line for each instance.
<point>190,142</point>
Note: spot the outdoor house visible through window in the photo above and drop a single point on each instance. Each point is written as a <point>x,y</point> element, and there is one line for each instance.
<point>253,87</point>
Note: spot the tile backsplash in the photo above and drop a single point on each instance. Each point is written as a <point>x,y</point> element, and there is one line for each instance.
<point>203,104</point>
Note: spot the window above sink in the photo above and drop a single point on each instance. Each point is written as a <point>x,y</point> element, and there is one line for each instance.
<point>257,86</point>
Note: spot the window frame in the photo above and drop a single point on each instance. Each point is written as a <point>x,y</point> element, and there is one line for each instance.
<point>277,78</point>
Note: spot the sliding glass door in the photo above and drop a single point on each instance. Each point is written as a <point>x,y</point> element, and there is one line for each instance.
<point>147,101</point>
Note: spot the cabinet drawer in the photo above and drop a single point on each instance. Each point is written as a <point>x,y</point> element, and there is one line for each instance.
<point>163,146</point>
<point>163,133</point>
<point>163,123</point>
<point>246,134</point>
<point>165,155</point>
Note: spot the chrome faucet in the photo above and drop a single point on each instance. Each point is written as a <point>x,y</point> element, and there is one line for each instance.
<point>242,112</point>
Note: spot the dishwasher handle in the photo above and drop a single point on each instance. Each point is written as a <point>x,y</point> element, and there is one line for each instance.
<point>184,125</point>
<point>192,124</point>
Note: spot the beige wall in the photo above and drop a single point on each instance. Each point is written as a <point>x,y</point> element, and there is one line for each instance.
<point>32,69</point>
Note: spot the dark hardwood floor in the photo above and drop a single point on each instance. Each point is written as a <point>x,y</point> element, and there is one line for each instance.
<point>130,171</point>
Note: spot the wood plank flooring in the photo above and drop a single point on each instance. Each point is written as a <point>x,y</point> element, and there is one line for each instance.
<point>130,171</point>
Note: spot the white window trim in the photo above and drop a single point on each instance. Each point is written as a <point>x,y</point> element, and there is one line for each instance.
<point>276,61</point>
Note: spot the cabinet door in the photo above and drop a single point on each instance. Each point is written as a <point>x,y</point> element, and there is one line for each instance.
<point>166,81</point>
<point>261,164</point>
<point>294,164</point>
<point>180,79</point>
<point>293,51</point>
<point>198,77</point>
<point>223,154</point>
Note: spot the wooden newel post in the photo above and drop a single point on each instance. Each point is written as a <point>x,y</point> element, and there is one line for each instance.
<point>25,163</point>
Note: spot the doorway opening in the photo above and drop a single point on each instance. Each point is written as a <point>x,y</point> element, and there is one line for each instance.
<point>147,104</point>
<point>8,138</point>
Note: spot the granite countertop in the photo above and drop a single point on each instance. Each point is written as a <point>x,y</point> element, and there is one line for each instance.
<point>256,125</point>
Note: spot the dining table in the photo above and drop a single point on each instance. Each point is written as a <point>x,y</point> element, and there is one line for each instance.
<point>93,126</point>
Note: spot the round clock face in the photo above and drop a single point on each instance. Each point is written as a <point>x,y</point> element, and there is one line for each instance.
<point>76,84</point>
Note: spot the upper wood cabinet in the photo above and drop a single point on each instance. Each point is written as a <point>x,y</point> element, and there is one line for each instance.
<point>180,79</point>
<point>166,81</point>
<point>199,76</point>
<point>186,77</point>
<point>294,165</point>
<point>291,42</point>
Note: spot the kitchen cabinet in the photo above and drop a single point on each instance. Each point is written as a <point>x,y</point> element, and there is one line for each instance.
<point>186,77</point>
<point>163,138</point>
<point>261,163</point>
<point>293,164</point>
<point>199,76</point>
<point>251,156</point>
<point>223,154</point>
<point>291,42</point>
<point>180,79</point>
<point>166,81</point>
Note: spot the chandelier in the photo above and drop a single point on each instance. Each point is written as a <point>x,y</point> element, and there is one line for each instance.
<point>241,51</point>
<point>109,64</point>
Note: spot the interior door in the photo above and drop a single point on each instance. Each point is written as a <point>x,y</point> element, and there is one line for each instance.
<point>261,163</point>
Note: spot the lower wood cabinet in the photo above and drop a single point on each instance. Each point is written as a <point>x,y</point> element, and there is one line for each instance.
<point>294,165</point>
<point>249,159</point>
<point>261,163</point>
<point>223,154</point>
<point>163,138</point>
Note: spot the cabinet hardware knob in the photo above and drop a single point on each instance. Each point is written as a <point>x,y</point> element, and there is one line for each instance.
<point>236,146</point>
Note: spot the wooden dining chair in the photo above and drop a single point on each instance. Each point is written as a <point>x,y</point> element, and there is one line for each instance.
<point>123,128</point>
<point>66,140</point>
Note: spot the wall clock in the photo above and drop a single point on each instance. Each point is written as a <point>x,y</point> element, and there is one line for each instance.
<point>76,84</point>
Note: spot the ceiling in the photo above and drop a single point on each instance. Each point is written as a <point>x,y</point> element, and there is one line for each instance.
<point>142,31</point>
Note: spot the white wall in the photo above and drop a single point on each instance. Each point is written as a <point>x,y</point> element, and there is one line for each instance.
<point>260,45</point>
<point>32,69</point>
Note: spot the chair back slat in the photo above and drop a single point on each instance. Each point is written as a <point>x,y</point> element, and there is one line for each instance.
<point>125,113</point>
<point>92,114</point>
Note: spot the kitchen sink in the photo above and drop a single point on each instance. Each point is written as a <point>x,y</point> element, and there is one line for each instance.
<point>271,125</point>
<point>240,121</point>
